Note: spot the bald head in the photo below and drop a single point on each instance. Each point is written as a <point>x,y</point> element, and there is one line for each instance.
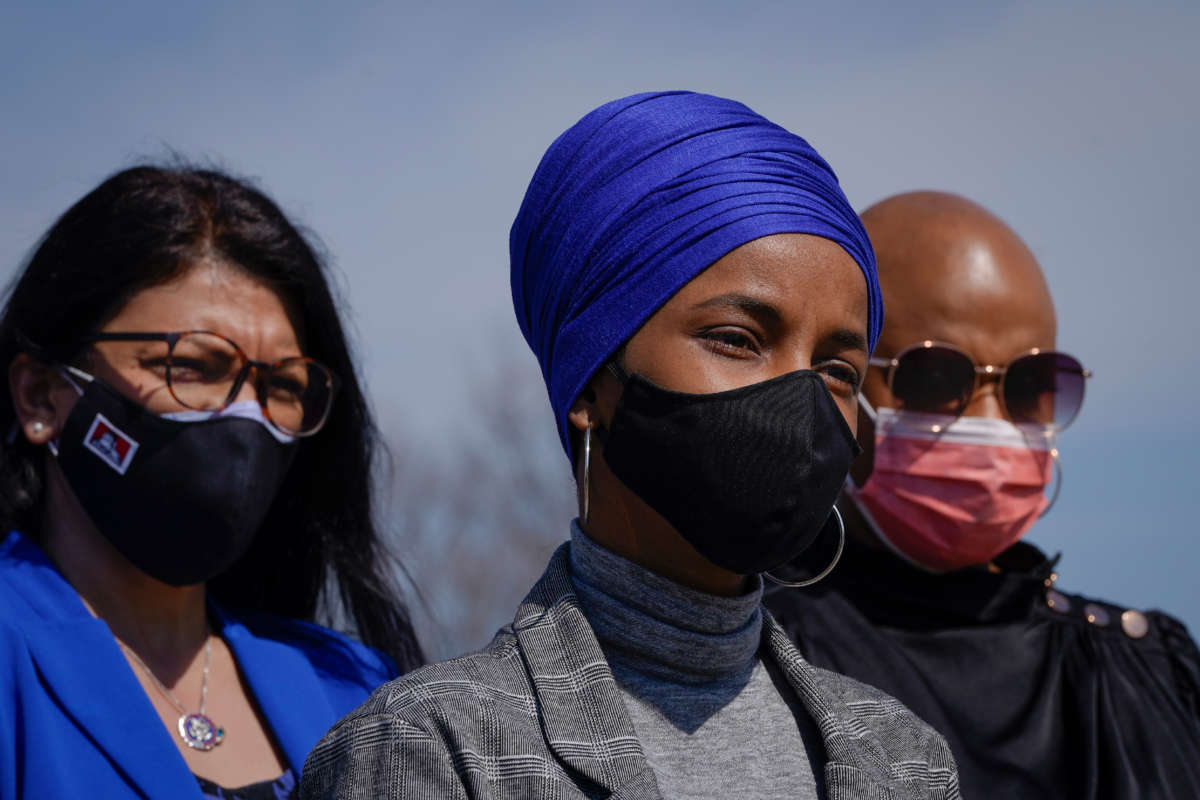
<point>953,272</point>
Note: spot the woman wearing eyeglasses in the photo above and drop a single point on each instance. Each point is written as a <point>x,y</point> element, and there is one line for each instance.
<point>1040,692</point>
<point>702,300</point>
<point>184,489</point>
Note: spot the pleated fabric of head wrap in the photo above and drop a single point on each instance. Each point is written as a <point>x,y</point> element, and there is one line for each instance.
<point>639,197</point>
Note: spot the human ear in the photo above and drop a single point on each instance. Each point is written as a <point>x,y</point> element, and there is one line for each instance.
<point>41,398</point>
<point>593,408</point>
<point>583,411</point>
<point>595,404</point>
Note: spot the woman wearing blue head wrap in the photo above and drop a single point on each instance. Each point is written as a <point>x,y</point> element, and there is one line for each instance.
<point>702,300</point>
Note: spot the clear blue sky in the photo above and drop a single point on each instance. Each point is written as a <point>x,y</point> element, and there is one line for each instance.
<point>404,135</point>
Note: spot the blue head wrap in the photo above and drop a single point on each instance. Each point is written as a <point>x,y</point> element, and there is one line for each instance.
<point>641,196</point>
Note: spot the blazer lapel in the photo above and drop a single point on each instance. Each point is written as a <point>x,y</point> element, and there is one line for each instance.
<point>87,675</point>
<point>583,717</point>
<point>92,682</point>
<point>286,688</point>
<point>855,763</point>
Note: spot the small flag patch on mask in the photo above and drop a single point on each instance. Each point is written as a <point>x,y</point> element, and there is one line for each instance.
<point>112,445</point>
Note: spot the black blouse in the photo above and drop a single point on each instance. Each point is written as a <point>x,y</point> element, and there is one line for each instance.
<point>1039,692</point>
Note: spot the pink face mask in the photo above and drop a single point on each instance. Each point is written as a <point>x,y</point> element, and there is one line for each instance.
<point>948,492</point>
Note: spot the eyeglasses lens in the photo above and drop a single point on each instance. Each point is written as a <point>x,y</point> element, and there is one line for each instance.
<point>203,368</point>
<point>298,395</point>
<point>1044,389</point>
<point>934,380</point>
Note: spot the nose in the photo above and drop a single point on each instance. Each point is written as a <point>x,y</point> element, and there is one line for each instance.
<point>985,402</point>
<point>791,360</point>
<point>248,391</point>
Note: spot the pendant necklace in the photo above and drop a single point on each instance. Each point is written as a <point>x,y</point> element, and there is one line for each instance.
<point>197,730</point>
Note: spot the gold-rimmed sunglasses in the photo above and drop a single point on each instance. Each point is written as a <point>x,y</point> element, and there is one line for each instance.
<point>1037,387</point>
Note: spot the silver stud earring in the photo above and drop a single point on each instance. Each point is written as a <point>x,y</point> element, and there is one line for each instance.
<point>36,428</point>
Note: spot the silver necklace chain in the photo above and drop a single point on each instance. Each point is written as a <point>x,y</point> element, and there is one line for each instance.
<point>167,692</point>
<point>197,730</point>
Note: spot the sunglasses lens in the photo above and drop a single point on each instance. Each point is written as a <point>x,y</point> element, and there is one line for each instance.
<point>1044,389</point>
<point>934,380</point>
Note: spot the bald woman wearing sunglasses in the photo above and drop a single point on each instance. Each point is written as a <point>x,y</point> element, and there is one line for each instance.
<point>936,601</point>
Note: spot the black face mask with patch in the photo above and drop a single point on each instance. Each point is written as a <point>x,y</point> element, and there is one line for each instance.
<point>748,476</point>
<point>181,500</point>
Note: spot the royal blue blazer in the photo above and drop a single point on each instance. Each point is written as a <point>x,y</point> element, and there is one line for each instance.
<point>75,722</point>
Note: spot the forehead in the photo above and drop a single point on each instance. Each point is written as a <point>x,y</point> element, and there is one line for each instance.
<point>986,298</point>
<point>215,297</point>
<point>804,277</point>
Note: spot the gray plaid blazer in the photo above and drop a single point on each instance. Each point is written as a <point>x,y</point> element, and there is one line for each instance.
<point>537,714</point>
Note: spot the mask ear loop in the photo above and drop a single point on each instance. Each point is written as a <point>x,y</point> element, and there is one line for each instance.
<point>1058,470</point>
<point>825,572</point>
<point>1058,475</point>
<point>869,409</point>
<point>873,416</point>
<point>66,371</point>
<point>618,372</point>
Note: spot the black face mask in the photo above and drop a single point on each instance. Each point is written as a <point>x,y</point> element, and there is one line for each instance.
<point>748,476</point>
<point>181,500</point>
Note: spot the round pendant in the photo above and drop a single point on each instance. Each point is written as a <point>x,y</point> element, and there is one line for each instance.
<point>200,732</point>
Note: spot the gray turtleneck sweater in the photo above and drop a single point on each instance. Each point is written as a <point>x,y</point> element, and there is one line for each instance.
<point>715,720</point>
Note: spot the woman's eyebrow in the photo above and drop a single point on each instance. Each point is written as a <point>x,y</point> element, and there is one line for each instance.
<point>764,312</point>
<point>769,315</point>
<point>852,339</point>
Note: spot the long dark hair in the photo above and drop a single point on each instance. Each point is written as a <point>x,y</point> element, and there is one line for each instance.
<point>319,549</point>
